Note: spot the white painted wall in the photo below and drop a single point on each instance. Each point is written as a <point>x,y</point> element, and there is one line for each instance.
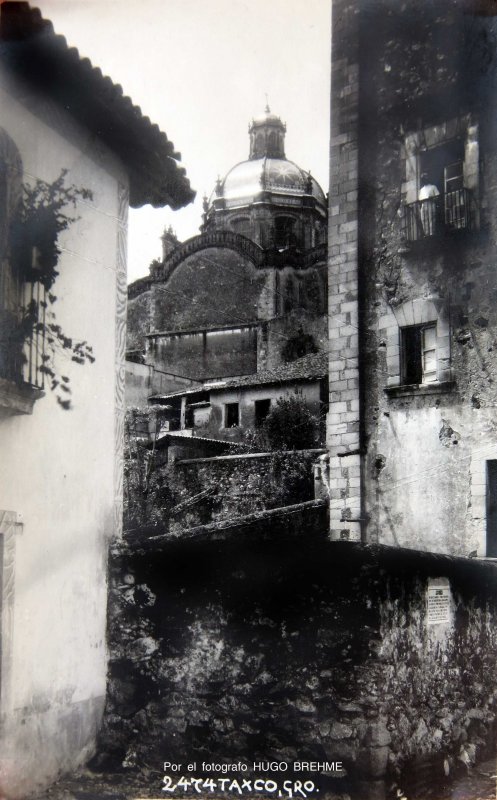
<point>58,470</point>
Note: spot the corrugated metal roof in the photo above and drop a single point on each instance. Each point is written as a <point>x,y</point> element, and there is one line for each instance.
<point>31,49</point>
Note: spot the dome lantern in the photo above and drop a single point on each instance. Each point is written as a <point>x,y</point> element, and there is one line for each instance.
<point>267,136</point>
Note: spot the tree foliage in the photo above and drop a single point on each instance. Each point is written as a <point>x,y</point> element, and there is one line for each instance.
<point>290,425</point>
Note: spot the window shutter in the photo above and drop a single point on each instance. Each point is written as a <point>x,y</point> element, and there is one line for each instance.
<point>429,354</point>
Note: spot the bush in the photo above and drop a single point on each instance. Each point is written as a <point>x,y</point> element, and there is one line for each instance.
<point>290,425</point>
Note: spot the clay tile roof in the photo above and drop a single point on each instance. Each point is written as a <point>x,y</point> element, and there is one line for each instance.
<point>312,366</point>
<point>30,48</point>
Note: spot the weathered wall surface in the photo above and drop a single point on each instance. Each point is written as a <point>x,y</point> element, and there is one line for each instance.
<point>291,336</point>
<point>138,320</point>
<point>425,455</point>
<point>54,585</point>
<point>300,289</point>
<point>201,354</point>
<point>238,485</point>
<point>197,491</point>
<point>290,647</point>
<point>430,73</point>
<point>143,380</point>
<point>246,397</point>
<point>214,287</point>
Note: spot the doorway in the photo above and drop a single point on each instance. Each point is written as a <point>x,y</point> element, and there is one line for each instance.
<point>491,503</point>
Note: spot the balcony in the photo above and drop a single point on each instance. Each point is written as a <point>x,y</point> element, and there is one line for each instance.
<point>440,216</point>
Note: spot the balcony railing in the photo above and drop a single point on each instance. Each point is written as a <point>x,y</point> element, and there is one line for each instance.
<point>438,216</point>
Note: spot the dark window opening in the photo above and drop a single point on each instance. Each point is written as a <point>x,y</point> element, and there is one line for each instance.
<point>189,417</point>
<point>272,144</point>
<point>289,299</point>
<point>444,203</point>
<point>262,408</point>
<point>283,232</point>
<point>443,166</point>
<point>418,354</point>
<point>231,415</point>
<point>491,502</point>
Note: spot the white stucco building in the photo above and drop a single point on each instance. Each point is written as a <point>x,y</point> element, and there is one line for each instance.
<point>61,470</point>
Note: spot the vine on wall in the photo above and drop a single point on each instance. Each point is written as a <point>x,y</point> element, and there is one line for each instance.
<point>36,251</point>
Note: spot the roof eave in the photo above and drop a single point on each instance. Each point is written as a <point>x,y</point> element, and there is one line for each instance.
<point>31,49</point>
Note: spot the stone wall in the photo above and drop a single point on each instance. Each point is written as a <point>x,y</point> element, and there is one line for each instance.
<point>194,492</point>
<point>343,276</point>
<point>244,484</point>
<point>282,645</point>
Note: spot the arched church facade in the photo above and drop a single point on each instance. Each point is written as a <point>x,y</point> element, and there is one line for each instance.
<point>249,293</point>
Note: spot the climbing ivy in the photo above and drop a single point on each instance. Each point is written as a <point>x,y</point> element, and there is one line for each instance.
<point>35,251</point>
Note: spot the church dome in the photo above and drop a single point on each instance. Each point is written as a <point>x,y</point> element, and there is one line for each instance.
<point>268,198</point>
<point>247,180</point>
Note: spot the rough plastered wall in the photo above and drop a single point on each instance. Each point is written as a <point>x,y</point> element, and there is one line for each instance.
<point>246,397</point>
<point>203,354</point>
<point>272,643</point>
<point>290,336</point>
<point>215,286</point>
<point>61,474</point>
<point>425,79</point>
<point>427,451</point>
<point>142,381</point>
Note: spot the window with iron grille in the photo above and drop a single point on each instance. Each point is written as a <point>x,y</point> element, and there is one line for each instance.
<point>440,195</point>
<point>11,285</point>
<point>443,167</point>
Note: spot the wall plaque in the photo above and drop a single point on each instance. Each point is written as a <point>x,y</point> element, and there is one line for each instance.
<point>438,601</point>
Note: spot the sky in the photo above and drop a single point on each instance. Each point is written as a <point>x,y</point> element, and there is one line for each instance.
<point>201,70</point>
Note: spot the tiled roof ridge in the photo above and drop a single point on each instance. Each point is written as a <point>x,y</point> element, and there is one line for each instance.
<point>309,361</point>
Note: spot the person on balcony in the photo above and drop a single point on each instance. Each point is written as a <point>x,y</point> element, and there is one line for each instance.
<point>428,205</point>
